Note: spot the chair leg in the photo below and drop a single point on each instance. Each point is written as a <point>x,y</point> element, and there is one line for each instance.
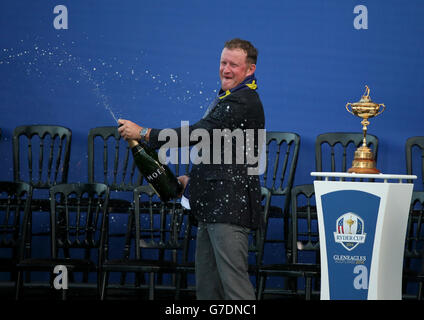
<point>18,285</point>
<point>178,286</point>
<point>257,277</point>
<point>308,287</point>
<point>99,284</point>
<point>103,284</point>
<point>64,296</point>
<point>127,246</point>
<point>261,286</point>
<point>151,285</point>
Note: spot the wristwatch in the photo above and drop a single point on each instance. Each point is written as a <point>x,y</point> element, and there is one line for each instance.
<point>143,133</point>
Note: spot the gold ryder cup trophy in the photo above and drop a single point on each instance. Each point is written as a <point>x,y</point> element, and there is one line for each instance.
<point>363,161</point>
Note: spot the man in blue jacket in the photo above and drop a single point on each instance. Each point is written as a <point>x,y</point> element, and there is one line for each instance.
<point>224,197</point>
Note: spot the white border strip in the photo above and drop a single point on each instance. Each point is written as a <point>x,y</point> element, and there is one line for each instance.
<point>385,177</point>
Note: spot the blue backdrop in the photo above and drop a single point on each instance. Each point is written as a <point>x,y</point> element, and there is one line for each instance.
<point>156,63</point>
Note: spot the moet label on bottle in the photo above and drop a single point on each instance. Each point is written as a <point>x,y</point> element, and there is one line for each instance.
<point>155,174</point>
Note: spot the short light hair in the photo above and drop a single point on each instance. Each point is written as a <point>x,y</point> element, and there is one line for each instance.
<point>251,51</point>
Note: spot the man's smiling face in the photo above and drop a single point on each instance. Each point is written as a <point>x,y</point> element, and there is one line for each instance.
<point>234,68</point>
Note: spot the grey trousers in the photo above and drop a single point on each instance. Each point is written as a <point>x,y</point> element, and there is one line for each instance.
<point>221,262</point>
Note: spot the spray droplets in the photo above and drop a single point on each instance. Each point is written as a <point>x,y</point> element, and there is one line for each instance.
<point>125,81</point>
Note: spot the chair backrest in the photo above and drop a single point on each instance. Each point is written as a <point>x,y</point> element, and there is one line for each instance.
<point>334,151</point>
<point>158,225</point>
<point>77,217</point>
<point>414,246</point>
<point>15,202</point>
<point>42,159</point>
<point>282,149</point>
<point>414,150</point>
<point>110,160</point>
<point>258,236</point>
<point>305,235</point>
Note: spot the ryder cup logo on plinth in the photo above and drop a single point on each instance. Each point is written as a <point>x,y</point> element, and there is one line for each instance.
<point>350,231</point>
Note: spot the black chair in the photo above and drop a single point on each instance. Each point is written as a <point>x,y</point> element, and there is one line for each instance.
<point>110,161</point>
<point>257,238</point>
<point>282,149</point>
<point>77,227</point>
<point>334,151</point>
<point>186,288</point>
<point>305,259</point>
<point>15,201</point>
<point>413,257</point>
<point>414,149</point>
<point>158,228</point>
<point>41,156</point>
<point>413,269</point>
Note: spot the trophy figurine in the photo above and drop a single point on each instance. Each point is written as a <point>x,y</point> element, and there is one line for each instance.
<point>363,161</point>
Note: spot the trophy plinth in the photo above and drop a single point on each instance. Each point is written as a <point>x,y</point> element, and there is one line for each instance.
<point>363,161</point>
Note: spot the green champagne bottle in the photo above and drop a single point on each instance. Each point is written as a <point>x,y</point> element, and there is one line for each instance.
<point>158,175</point>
